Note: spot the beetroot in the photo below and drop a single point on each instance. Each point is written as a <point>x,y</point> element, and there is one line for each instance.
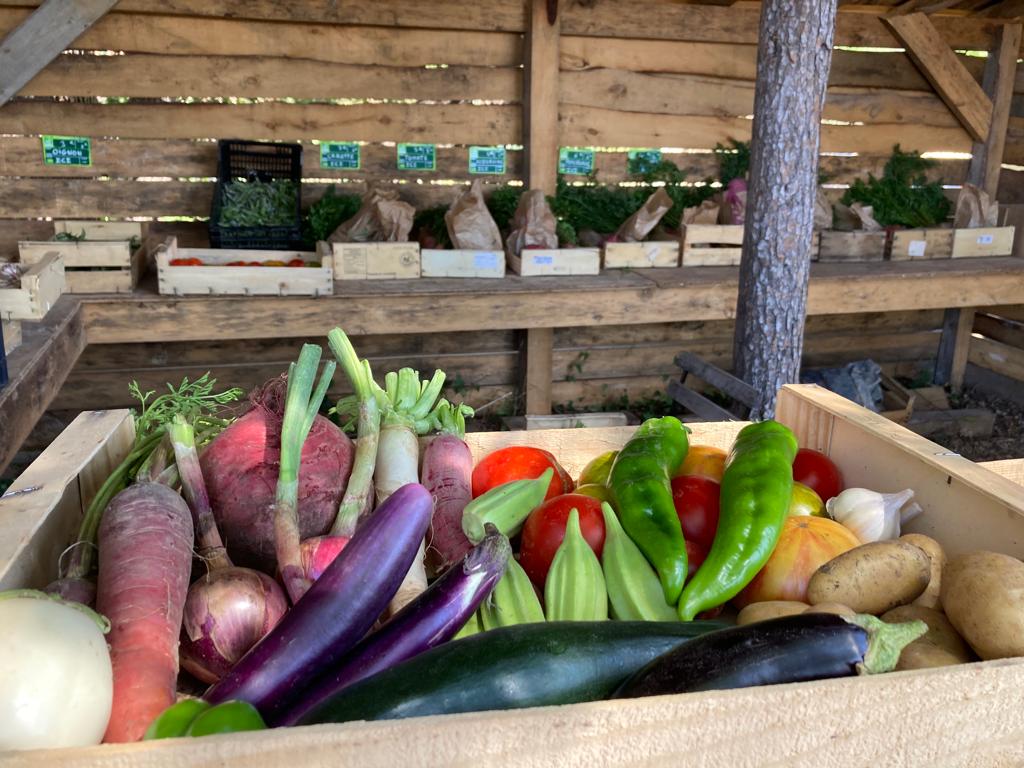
<point>241,469</point>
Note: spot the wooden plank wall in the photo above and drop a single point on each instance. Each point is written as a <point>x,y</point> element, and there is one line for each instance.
<point>633,74</point>
<point>591,366</point>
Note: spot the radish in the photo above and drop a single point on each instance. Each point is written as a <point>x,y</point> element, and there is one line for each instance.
<point>408,412</point>
<point>55,676</point>
<point>229,609</point>
<point>241,469</point>
<point>447,474</point>
<point>300,411</point>
<point>145,556</point>
<point>335,612</point>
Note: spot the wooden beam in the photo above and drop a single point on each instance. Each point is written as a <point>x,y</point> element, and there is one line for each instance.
<point>998,84</point>
<point>951,360</point>
<point>38,369</point>
<point>939,64</point>
<point>540,97</point>
<point>41,37</point>
<point>538,375</point>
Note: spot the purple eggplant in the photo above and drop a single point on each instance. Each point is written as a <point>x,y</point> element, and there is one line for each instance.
<point>337,610</point>
<point>431,619</point>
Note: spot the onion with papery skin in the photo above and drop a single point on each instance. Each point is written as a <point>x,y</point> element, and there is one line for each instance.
<point>227,612</point>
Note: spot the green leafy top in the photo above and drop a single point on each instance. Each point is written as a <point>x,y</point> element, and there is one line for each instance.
<point>191,400</point>
<point>326,214</point>
<point>903,196</point>
<point>733,161</point>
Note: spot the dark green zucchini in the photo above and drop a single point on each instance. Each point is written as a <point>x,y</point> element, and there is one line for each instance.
<point>526,665</point>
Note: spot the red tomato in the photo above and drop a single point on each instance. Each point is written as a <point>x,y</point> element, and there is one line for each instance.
<point>545,528</point>
<point>296,263</point>
<point>519,463</point>
<point>235,264</point>
<point>695,555</point>
<point>817,471</point>
<point>696,500</point>
<point>189,262</point>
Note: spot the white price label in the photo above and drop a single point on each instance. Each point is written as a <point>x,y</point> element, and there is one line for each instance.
<point>485,260</point>
<point>917,247</point>
<point>984,239</point>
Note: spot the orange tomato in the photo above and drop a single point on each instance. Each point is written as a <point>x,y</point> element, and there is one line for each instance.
<point>274,263</point>
<point>806,544</point>
<point>705,461</point>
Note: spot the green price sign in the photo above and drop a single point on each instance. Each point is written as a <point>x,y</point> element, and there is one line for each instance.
<point>67,150</point>
<point>417,157</point>
<point>486,159</point>
<point>339,154</point>
<point>645,158</point>
<point>578,162</point>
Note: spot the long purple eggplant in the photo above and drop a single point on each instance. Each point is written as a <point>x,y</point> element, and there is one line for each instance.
<point>431,619</point>
<point>337,610</point>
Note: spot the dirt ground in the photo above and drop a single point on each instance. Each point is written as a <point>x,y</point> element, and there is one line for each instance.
<point>1007,440</point>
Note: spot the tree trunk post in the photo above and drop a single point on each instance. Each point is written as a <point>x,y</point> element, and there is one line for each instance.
<point>793,58</point>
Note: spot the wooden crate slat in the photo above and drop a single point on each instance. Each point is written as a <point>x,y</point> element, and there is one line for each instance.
<point>462,263</point>
<point>911,244</point>
<point>41,285</point>
<point>645,255</point>
<point>100,230</point>
<point>983,241</point>
<point>79,254</point>
<point>537,262</point>
<point>851,246</point>
<point>373,261</point>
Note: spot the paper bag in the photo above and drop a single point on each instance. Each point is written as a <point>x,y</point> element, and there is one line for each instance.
<point>639,225</point>
<point>705,213</point>
<point>975,209</point>
<point>849,218</point>
<point>382,217</point>
<point>822,211</point>
<point>533,225</point>
<point>470,224</point>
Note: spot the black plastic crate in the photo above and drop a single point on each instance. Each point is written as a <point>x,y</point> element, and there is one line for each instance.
<point>262,161</point>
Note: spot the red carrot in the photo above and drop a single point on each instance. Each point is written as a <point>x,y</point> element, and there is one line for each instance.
<point>145,556</point>
<point>447,473</point>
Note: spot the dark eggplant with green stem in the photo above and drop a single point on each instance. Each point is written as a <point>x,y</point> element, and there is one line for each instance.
<point>302,404</point>
<point>790,649</point>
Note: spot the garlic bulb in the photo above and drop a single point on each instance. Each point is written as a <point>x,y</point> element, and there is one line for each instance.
<point>872,516</point>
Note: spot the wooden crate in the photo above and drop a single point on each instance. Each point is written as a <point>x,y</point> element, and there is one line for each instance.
<point>914,244</point>
<point>461,263</point>
<point>846,722</point>
<point>218,279</point>
<point>373,261</point>
<point>711,245</point>
<point>536,262</point>
<point>851,246</point>
<point>982,241</point>
<point>41,286</point>
<point>652,253</point>
<point>11,330</point>
<point>92,266</point>
<point>101,230</point>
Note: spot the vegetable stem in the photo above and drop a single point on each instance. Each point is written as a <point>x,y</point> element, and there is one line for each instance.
<point>359,491</point>
<point>210,546</point>
<point>301,406</point>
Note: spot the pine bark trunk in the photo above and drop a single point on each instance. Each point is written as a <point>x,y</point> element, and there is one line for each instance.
<point>793,60</point>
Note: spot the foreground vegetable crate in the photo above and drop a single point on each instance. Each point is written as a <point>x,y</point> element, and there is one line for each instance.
<point>966,713</point>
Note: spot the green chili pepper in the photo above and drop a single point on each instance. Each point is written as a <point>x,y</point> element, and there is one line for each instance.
<point>228,717</point>
<point>175,720</point>
<point>754,502</point>
<point>641,482</point>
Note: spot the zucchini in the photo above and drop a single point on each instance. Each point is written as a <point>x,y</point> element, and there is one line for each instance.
<point>525,665</point>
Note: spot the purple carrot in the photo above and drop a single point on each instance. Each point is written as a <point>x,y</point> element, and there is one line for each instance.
<point>431,619</point>
<point>335,612</point>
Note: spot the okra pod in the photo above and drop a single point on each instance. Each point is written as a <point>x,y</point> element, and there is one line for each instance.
<point>575,588</point>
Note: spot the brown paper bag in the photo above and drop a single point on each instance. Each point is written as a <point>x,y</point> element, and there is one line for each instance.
<point>470,224</point>
<point>856,217</point>
<point>705,213</point>
<point>822,211</point>
<point>382,217</point>
<point>639,225</point>
<point>975,209</point>
<point>533,225</point>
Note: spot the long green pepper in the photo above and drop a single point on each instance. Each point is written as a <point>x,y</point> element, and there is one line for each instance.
<point>754,501</point>
<point>641,481</point>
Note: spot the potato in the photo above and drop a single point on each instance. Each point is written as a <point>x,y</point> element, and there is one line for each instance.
<point>941,647</point>
<point>872,578</point>
<point>769,609</point>
<point>983,596</point>
<point>930,597</point>
<point>837,608</point>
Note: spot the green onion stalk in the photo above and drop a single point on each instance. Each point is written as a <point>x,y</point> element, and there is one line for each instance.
<point>302,404</point>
